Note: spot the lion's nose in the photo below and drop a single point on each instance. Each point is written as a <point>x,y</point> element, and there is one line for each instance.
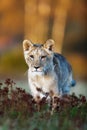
<point>36,67</point>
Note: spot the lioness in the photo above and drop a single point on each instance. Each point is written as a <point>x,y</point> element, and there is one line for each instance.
<point>49,72</point>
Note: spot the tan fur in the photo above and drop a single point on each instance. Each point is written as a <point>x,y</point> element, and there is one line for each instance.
<point>41,74</point>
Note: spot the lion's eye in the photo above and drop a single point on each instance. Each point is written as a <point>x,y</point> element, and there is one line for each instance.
<point>32,57</point>
<point>43,57</point>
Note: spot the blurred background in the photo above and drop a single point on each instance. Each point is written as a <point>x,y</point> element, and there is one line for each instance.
<point>38,20</point>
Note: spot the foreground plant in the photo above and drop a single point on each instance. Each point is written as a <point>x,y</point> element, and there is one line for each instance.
<point>19,110</point>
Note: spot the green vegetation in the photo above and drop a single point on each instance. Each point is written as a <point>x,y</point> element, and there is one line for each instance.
<point>19,111</point>
<point>13,63</point>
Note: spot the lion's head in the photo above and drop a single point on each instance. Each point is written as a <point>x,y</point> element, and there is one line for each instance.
<point>39,57</point>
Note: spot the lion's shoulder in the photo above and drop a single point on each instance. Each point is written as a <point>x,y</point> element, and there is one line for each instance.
<point>62,66</point>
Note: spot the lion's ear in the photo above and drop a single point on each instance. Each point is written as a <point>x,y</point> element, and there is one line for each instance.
<point>49,44</point>
<point>27,44</point>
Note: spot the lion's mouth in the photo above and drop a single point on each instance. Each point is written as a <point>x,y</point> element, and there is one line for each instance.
<point>37,71</point>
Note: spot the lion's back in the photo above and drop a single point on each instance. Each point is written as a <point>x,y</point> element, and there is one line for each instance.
<point>64,72</point>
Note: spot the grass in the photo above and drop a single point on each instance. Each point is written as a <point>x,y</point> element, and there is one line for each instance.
<point>18,110</point>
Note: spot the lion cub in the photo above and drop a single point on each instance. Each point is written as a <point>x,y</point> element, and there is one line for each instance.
<point>49,72</point>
